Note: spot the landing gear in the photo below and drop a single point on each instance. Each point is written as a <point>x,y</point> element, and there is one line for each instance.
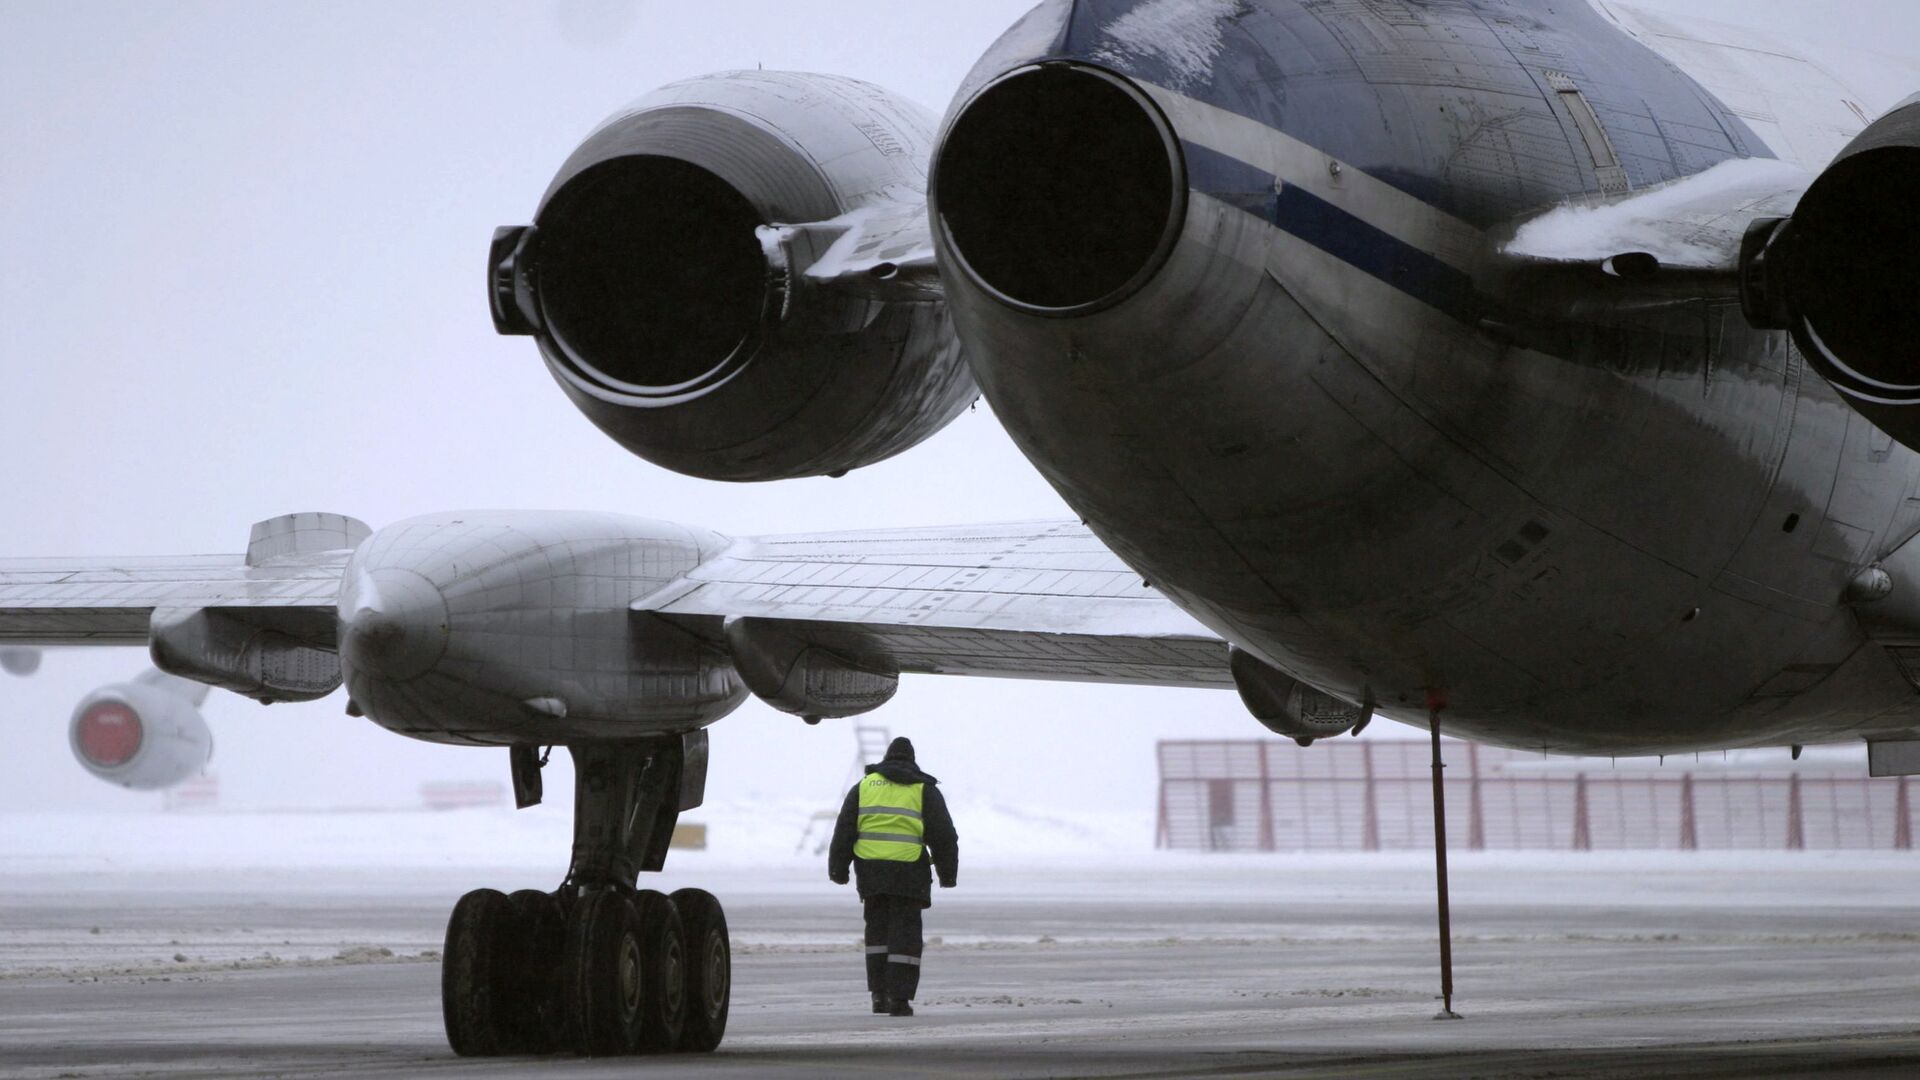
<point>598,967</point>
<point>600,975</point>
<point>663,965</point>
<point>709,968</point>
<point>475,977</point>
<point>535,1020</point>
<point>496,974</point>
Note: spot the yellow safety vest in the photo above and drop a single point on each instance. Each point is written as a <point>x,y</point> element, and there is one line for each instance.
<point>890,824</point>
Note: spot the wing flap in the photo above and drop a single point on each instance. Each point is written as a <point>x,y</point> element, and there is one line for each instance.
<point>1041,600</point>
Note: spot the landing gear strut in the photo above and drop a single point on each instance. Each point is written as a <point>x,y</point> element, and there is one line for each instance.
<point>598,966</point>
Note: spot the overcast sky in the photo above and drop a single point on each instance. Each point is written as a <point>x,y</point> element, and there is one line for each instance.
<point>241,253</point>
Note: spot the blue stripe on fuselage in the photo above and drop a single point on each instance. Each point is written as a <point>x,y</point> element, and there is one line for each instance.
<point>1368,84</point>
<point>1300,213</point>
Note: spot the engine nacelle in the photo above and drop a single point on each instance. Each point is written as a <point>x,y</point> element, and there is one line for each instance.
<point>504,628</point>
<point>218,649</point>
<point>1290,707</point>
<point>673,277</point>
<point>1843,273</point>
<point>146,734</point>
<point>796,676</point>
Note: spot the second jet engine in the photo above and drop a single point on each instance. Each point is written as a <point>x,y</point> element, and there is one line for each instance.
<point>733,278</point>
<point>1842,273</point>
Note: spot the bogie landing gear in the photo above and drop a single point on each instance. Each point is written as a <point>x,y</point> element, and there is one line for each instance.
<point>709,968</point>
<point>599,966</point>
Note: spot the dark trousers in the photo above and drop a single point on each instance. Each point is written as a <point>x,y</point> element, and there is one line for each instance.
<point>893,946</point>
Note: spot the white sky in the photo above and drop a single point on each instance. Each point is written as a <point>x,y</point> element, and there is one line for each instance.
<point>241,253</point>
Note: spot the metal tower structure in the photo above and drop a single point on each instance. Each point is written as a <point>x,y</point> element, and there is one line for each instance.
<point>870,745</point>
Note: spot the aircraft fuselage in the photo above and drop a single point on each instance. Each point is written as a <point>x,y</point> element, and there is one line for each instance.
<point>1311,423</point>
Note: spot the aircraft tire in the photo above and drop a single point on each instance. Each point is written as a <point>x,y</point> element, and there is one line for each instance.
<point>533,1016</point>
<point>601,971</point>
<point>473,973</point>
<point>663,1004</point>
<point>709,970</point>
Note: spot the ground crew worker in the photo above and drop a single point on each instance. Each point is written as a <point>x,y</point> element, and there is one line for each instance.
<point>888,824</point>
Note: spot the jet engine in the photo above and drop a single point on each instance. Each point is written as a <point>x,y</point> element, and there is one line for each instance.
<point>1843,273</point>
<point>146,734</point>
<point>733,278</point>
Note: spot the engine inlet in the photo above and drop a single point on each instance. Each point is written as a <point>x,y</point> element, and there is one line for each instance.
<point>1061,188</point>
<point>1856,262</point>
<point>650,278</point>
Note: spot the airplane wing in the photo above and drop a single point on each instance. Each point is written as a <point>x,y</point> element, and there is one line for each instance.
<point>110,601</point>
<point>1041,600</point>
<point>286,581</point>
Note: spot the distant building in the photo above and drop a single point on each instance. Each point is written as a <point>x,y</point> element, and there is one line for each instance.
<point>1375,795</point>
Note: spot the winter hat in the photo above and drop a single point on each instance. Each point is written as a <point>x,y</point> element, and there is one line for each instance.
<point>901,749</point>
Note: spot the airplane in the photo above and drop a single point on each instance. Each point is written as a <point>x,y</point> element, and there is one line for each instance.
<point>1542,367</point>
<point>145,733</point>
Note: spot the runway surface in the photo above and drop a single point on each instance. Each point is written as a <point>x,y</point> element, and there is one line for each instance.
<point>1170,966</point>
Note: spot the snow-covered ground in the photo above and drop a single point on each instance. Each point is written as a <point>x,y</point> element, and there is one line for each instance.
<point>158,894</point>
<point>759,845</point>
<point>739,834</point>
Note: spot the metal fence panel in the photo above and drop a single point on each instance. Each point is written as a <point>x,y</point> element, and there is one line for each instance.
<point>1375,795</point>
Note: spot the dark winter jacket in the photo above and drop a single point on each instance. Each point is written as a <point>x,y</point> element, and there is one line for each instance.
<point>892,877</point>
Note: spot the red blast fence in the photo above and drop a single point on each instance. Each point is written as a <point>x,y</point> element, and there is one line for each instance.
<point>1375,795</point>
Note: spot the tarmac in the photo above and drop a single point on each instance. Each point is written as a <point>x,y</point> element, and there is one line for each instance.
<point>1167,966</point>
